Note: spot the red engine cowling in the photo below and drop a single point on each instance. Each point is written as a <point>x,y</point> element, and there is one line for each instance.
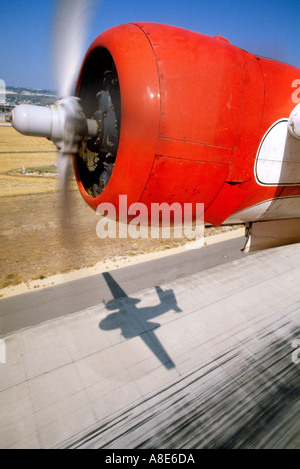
<point>191,112</point>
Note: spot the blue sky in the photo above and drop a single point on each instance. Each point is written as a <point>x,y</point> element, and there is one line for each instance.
<point>266,27</point>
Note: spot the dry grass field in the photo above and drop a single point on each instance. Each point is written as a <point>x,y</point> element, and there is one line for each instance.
<point>18,152</point>
<point>33,244</point>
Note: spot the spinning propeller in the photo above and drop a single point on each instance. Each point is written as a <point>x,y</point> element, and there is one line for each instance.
<point>64,122</point>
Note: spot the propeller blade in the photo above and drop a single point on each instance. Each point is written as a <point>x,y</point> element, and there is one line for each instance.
<point>70,31</point>
<point>63,166</point>
<point>66,216</point>
<point>64,174</point>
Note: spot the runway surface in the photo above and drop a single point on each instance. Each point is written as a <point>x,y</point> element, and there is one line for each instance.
<point>200,359</point>
<point>35,307</point>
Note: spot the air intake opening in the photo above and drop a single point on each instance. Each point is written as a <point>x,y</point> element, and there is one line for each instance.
<point>100,99</point>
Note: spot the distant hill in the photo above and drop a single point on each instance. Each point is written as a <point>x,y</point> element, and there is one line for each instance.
<point>16,95</point>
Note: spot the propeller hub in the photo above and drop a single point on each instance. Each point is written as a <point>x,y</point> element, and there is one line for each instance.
<point>64,122</point>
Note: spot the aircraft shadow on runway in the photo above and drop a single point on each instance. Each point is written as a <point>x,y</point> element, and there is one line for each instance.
<point>134,321</point>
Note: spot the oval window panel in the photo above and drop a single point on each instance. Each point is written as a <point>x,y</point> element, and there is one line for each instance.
<point>278,157</point>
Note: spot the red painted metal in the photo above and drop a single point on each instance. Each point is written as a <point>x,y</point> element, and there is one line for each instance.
<point>193,112</point>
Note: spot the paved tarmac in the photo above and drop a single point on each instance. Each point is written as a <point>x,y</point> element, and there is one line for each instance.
<point>205,360</point>
<point>34,307</point>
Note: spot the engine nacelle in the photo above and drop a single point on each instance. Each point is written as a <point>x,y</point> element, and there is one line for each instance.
<point>182,116</point>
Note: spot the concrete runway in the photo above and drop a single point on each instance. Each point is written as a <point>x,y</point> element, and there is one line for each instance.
<point>31,308</point>
<point>195,351</point>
